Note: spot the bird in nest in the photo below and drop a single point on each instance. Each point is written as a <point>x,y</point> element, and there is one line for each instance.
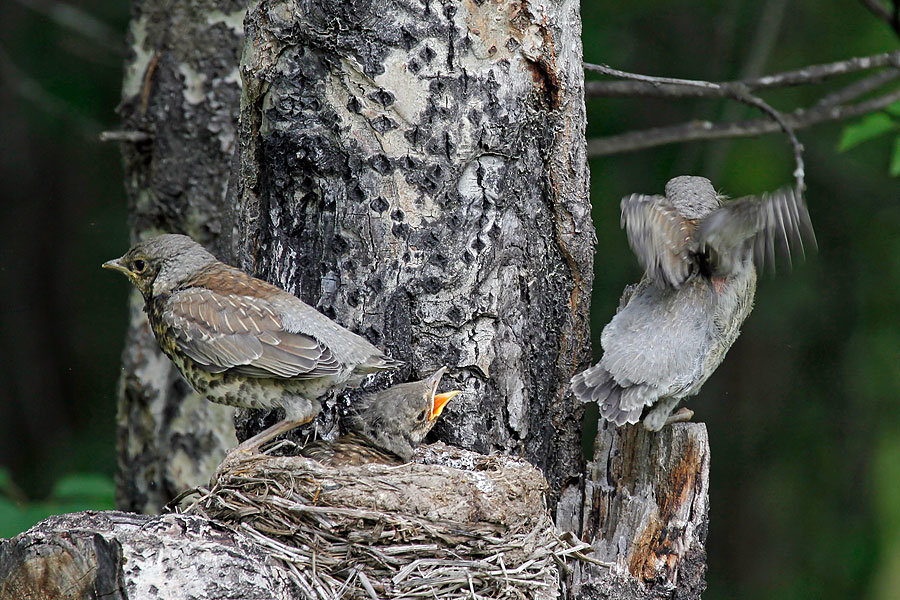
<point>673,328</point>
<point>239,340</point>
<point>386,426</point>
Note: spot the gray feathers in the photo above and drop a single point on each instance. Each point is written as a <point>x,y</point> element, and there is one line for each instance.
<point>673,328</point>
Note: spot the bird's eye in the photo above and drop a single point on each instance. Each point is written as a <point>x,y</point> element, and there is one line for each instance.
<point>422,416</point>
<point>138,266</point>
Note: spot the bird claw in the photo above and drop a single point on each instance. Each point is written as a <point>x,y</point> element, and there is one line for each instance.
<point>682,415</point>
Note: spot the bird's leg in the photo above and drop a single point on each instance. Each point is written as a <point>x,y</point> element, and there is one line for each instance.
<point>251,445</point>
<point>682,415</point>
<point>659,414</point>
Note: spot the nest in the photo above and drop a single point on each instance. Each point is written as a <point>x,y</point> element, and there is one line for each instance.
<point>452,524</point>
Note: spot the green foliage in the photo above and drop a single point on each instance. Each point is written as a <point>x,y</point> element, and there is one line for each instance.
<point>875,126</point>
<point>72,493</point>
<point>867,128</point>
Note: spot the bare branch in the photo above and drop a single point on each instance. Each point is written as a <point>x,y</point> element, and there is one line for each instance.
<point>666,87</point>
<point>133,137</point>
<point>32,91</point>
<point>736,91</point>
<point>859,88</point>
<point>705,130</point>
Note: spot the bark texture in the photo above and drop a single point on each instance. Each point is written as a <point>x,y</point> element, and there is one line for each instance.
<point>180,93</point>
<point>644,506</point>
<point>416,171</point>
<point>116,556</point>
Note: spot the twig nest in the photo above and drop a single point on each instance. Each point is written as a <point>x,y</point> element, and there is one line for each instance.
<point>454,523</point>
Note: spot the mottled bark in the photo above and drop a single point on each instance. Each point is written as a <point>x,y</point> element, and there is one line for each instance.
<point>180,99</point>
<point>644,506</point>
<point>416,170</point>
<point>116,556</point>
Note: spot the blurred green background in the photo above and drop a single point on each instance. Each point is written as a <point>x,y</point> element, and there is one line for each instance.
<point>803,415</point>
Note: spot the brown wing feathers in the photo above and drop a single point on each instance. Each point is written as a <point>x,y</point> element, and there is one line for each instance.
<point>242,333</point>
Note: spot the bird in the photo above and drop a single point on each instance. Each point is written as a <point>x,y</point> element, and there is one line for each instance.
<point>239,340</point>
<point>386,426</point>
<point>673,328</point>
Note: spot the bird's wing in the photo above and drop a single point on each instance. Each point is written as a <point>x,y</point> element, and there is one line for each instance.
<point>243,334</point>
<point>660,238</point>
<point>761,223</point>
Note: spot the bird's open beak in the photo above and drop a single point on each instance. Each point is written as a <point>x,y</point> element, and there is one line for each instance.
<point>116,265</point>
<point>440,400</point>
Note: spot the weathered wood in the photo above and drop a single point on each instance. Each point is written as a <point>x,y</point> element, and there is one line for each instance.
<point>120,555</point>
<point>417,172</point>
<point>181,89</point>
<point>644,506</point>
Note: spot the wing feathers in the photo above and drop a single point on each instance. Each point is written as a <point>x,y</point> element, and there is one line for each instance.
<point>661,238</point>
<point>222,332</point>
<point>771,225</point>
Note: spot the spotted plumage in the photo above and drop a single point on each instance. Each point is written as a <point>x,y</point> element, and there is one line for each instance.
<point>239,340</point>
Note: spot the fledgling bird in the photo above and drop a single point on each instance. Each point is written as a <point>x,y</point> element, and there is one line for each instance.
<point>673,328</point>
<point>386,426</point>
<point>239,340</point>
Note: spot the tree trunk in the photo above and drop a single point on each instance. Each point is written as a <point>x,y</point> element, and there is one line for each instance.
<point>120,556</point>
<point>180,96</point>
<point>416,171</point>
<point>644,506</point>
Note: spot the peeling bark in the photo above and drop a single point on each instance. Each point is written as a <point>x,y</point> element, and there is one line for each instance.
<point>644,506</point>
<point>416,171</point>
<point>181,90</point>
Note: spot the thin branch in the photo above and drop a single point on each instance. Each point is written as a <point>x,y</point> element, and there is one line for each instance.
<point>665,87</point>
<point>80,21</point>
<point>705,130</point>
<point>739,92</point>
<point>32,91</point>
<point>130,136</point>
<point>859,88</point>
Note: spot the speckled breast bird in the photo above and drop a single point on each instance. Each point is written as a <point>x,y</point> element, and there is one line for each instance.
<point>673,328</point>
<point>386,426</point>
<point>239,340</point>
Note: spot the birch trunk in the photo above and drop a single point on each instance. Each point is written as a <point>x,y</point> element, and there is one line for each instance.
<point>180,97</point>
<point>416,171</point>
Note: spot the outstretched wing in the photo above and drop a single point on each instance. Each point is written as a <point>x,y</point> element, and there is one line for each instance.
<point>758,223</point>
<point>222,332</point>
<point>661,238</point>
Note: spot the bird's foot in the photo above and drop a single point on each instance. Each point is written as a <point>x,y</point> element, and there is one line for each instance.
<point>682,415</point>
<point>251,446</point>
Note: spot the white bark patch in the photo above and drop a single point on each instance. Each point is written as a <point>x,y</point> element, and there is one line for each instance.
<point>194,84</point>
<point>134,73</point>
<point>233,20</point>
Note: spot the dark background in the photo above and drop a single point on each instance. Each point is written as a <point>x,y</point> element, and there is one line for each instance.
<point>803,415</point>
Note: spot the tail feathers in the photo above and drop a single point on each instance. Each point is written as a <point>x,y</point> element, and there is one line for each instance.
<point>585,383</point>
<point>617,404</point>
